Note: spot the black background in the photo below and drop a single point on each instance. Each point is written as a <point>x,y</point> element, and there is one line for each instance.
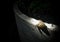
<point>12,30</point>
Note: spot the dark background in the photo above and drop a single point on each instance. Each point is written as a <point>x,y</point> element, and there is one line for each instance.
<point>12,30</point>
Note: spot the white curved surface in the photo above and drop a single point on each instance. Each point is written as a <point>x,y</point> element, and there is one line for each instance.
<point>27,30</point>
